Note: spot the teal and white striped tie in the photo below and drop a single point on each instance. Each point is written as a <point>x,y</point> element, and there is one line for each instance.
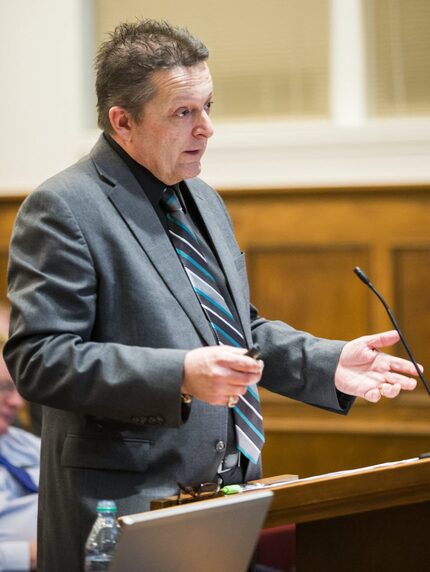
<point>247,412</point>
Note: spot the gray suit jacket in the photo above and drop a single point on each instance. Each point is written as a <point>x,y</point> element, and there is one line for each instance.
<point>102,316</point>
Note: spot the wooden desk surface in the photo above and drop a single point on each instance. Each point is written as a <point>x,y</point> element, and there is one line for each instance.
<point>333,495</point>
<point>371,488</point>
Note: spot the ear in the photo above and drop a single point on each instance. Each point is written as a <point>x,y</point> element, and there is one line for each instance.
<point>121,122</point>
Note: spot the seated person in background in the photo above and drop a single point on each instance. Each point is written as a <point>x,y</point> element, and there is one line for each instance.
<point>19,477</point>
<point>30,416</point>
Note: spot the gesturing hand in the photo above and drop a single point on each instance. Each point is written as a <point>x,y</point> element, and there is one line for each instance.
<point>214,374</point>
<point>365,372</point>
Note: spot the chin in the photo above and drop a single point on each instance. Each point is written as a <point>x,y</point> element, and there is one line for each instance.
<point>192,171</point>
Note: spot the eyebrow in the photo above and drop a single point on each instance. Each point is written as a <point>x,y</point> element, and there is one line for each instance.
<point>183,98</point>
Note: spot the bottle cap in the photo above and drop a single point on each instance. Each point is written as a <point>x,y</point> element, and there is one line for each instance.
<point>106,506</point>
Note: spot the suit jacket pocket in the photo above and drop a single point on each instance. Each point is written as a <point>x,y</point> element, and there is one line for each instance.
<point>84,452</point>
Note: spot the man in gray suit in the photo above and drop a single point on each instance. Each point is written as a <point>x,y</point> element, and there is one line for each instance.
<point>109,330</point>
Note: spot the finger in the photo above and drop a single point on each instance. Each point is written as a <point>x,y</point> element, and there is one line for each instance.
<point>403,366</point>
<point>241,363</point>
<point>239,378</point>
<point>237,390</point>
<point>233,393</point>
<point>382,340</point>
<point>229,390</point>
<point>405,383</point>
<point>390,390</point>
<point>373,395</point>
<point>219,394</point>
<point>231,349</point>
<point>235,350</point>
<point>235,358</point>
<point>224,375</point>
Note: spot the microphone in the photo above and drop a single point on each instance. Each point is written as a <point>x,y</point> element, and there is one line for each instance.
<point>368,283</point>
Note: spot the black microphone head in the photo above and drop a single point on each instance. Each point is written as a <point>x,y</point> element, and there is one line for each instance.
<point>362,275</point>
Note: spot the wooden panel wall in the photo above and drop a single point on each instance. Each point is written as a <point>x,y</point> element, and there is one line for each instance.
<point>9,206</point>
<point>301,246</point>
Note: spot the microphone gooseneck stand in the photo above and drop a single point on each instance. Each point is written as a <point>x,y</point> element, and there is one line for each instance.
<point>363,277</point>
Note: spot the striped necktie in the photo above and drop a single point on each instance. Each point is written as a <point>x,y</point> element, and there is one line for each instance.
<point>248,420</point>
<point>20,475</point>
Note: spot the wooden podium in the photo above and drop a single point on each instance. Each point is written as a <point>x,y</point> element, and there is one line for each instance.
<point>376,519</point>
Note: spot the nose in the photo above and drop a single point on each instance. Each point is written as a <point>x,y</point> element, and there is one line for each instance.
<point>203,127</point>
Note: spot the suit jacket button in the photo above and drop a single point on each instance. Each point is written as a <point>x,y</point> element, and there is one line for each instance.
<point>220,446</point>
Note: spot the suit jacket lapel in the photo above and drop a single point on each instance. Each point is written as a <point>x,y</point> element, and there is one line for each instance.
<point>136,210</point>
<point>224,256</point>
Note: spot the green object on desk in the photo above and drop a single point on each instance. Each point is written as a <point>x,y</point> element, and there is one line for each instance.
<point>231,489</point>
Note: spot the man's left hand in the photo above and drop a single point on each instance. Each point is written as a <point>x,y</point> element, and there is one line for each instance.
<point>364,371</point>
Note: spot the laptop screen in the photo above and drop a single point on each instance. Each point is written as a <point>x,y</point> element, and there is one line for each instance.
<point>210,535</point>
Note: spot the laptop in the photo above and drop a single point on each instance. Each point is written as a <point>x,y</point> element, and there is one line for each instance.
<point>213,535</point>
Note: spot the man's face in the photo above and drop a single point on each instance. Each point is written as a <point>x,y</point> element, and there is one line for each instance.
<point>173,132</point>
<point>10,400</point>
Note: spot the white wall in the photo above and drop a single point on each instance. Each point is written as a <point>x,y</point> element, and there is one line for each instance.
<point>45,58</point>
<point>41,96</point>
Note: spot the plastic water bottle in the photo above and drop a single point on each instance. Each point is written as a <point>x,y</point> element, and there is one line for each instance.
<point>103,538</point>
